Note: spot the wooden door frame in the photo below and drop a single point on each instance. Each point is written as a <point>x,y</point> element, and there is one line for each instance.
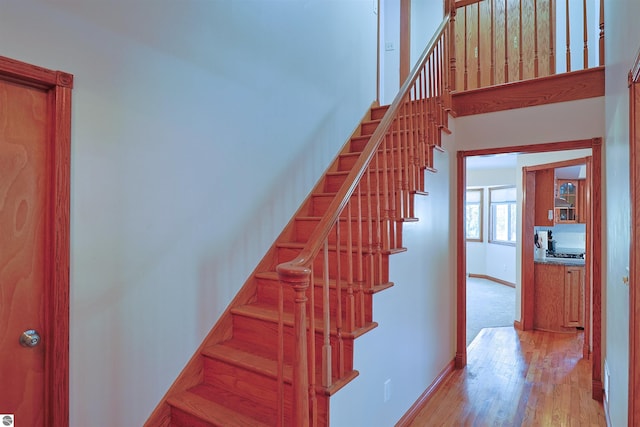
<point>595,243</point>
<point>634,255</point>
<point>58,86</point>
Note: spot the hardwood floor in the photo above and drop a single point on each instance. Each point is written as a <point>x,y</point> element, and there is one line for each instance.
<point>516,378</point>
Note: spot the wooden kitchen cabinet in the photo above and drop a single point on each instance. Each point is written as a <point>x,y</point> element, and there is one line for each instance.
<point>582,202</point>
<point>545,183</point>
<point>574,297</point>
<point>558,297</point>
<point>566,201</point>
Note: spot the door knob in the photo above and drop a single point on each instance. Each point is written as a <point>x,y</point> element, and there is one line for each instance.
<point>30,338</point>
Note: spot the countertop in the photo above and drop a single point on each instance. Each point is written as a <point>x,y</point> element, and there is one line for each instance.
<point>560,261</point>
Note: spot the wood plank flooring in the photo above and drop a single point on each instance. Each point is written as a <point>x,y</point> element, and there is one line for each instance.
<point>516,378</point>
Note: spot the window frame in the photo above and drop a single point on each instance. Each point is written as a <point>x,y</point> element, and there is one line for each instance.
<point>491,238</point>
<point>480,211</point>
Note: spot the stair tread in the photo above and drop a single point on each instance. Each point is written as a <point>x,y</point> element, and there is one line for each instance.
<point>318,281</point>
<point>343,248</point>
<point>235,352</point>
<point>212,412</point>
<point>354,217</point>
<point>267,313</point>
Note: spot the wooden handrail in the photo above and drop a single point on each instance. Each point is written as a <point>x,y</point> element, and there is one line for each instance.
<point>410,126</point>
<point>320,234</point>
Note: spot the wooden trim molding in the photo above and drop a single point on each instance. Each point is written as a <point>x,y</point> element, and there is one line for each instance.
<point>461,259</point>
<point>411,414</point>
<point>527,272</point>
<point>493,279</point>
<point>595,260</point>
<point>405,40</point>
<point>593,257</point>
<point>58,86</point>
<point>517,325</point>
<point>565,87</point>
<point>634,256</point>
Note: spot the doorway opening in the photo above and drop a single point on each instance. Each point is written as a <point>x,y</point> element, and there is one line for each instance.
<point>525,275</point>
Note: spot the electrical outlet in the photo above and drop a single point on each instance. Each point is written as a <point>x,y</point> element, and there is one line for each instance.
<point>388,46</point>
<point>387,390</point>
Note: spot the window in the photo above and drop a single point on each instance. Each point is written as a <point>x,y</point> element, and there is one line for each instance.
<point>473,215</point>
<point>502,215</point>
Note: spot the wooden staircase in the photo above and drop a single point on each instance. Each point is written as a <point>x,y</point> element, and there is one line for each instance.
<point>285,344</point>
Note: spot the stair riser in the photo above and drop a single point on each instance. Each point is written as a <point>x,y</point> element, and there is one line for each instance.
<point>258,391</point>
<point>367,128</point>
<point>180,418</point>
<point>268,292</point>
<point>371,183</point>
<point>378,113</point>
<point>346,162</point>
<point>383,181</point>
<point>288,254</point>
<point>321,203</point>
<point>419,121</point>
<point>264,337</point>
<point>359,233</point>
<point>400,139</point>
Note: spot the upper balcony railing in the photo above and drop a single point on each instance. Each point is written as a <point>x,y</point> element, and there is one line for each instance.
<point>504,41</point>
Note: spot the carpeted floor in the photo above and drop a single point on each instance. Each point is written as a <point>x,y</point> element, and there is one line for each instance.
<point>489,304</point>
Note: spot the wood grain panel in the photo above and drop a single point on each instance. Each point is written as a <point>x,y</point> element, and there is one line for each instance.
<point>460,53</point>
<point>545,179</point>
<point>581,84</point>
<point>517,36</point>
<point>528,38</point>
<point>549,298</point>
<point>513,39</point>
<point>499,34</point>
<point>543,37</point>
<point>471,73</point>
<point>24,180</point>
<point>485,46</point>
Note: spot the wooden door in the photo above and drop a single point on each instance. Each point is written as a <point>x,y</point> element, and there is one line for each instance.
<point>34,243</point>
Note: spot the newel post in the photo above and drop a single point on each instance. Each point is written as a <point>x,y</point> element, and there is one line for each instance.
<point>298,278</point>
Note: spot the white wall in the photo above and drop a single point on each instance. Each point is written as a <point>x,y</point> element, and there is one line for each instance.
<point>389,51</point>
<point>622,40</point>
<point>198,128</point>
<point>484,258</point>
<point>426,16</point>
<point>415,339</point>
